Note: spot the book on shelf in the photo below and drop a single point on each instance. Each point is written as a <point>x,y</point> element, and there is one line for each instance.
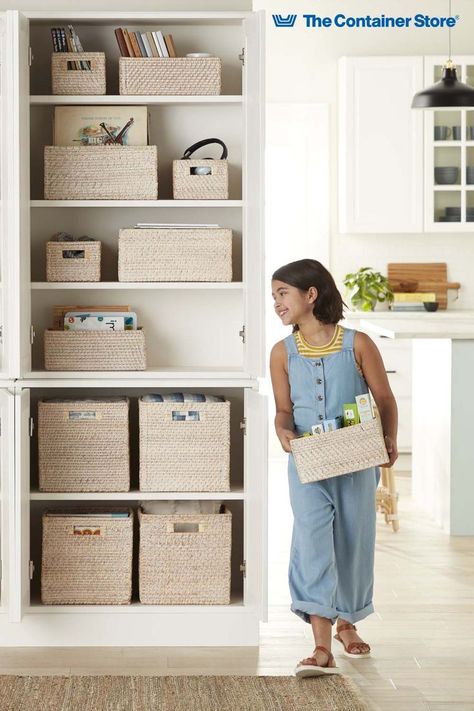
<point>68,41</point>
<point>148,44</point>
<point>404,296</point>
<point>81,125</point>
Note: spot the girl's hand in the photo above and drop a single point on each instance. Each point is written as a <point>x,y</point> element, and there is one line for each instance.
<point>285,436</point>
<point>392,450</point>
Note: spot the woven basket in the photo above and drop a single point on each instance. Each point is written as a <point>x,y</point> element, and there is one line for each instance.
<point>100,172</point>
<point>342,451</point>
<point>94,350</point>
<point>80,568</point>
<point>83,267</point>
<point>185,558</point>
<point>184,455</point>
<point>83,446</point>
<point>190,76</point>
<point>175,255</point>
<point>187,186</point>
<point>69,80</point>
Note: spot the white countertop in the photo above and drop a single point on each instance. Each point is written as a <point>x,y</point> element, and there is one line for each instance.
<point>423,327</point>
<point>452,314</point>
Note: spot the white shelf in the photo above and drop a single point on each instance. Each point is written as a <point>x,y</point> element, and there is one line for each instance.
<point>234,494</point>
<point>136,203</point>
<point>454,188</point>
<point>163,378</point>
<point>116,100</point>
<point>138,17</point>
<point>46,285</point>
<point>135,607</point>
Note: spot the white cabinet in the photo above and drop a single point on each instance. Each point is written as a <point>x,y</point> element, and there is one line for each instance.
<point>380,145</point>
<point>202,337</point>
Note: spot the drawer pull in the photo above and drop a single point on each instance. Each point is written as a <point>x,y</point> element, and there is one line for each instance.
<point>390,371</point>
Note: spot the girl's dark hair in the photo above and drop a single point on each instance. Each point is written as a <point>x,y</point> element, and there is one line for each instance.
<point>306,273</point>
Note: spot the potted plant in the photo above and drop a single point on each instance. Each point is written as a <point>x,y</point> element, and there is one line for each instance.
<point>366,287</point>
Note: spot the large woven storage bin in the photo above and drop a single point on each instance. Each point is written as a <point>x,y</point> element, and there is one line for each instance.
<point>83,445</point>
<point>86,560</point>
<point>83,267</point>
<point>94,350</point>
<point>342,451</point>
<point>175,255</point>
<point>100,172</point>
<point>184,455</point>
<point>185,558</point>
<point>170,76</point>
<point>187,186</point>
<point>66,79</point>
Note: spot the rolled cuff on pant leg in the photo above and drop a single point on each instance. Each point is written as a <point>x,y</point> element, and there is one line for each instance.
<point>305,609</point>
<point>357,615</point>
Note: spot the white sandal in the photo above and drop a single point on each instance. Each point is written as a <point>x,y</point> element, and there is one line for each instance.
<point>304,670</point>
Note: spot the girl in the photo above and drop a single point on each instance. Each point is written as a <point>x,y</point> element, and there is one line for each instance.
<point>314,371</point>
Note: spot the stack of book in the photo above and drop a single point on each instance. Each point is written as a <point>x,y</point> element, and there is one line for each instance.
<point>411,301</point>
<point>144,44</point>
<point>68,41</point>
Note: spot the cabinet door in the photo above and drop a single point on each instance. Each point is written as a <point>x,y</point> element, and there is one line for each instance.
<point>7,475</point>
<point>20,584</point>
<point>252,191</point>
<point>380,145</point>
<point>256,497</point>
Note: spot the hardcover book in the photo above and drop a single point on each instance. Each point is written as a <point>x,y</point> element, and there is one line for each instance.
<point>100,125</point>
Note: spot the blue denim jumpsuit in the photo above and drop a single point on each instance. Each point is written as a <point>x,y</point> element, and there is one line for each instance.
<point>332,548</point>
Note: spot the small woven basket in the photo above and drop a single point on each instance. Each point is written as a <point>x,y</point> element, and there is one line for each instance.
<point>83,446</point>
<point>185,559</point>
<point>190,454</point>
<point>94,350</point>
<point>86,560</point>
<point>100,172</point>
<point>346,450</point>
<point>68,78</point>
<point>84,266</point>
<point>187,186</point>
<point>175,255</point>
<point>191,76</point>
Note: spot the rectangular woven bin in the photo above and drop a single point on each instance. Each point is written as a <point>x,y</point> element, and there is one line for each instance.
<point>189,186</point>
<point>191,76</point>
<point>82,267</point>
<point>94,350</point>
<point>175,255</point>
<point>342,451</point>
<point>86,560</point>
<point>185,559</point>
<point>100,172</point>
<point>184,455</point>
<point>84,445</point>
<point>66,79</point>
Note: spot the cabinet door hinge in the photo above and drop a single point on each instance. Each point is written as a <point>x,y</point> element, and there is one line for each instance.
<point>31,569</point>
<point>32,426</point>
<point>242,333</point>
<point>243,568</point>
<point>242,56</point>
<point>30,56</point>
<point>32,334</point>
<point>243,425</point>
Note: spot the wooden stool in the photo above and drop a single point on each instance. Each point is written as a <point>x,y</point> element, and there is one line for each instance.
<point>387,497</point>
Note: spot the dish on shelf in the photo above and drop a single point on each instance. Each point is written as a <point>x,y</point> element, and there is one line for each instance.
<point>446,175</point>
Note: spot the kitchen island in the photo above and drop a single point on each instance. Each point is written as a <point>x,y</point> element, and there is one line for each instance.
<point>442,410</point>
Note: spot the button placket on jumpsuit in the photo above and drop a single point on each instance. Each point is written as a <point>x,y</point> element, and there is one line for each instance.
<point>332,549</point>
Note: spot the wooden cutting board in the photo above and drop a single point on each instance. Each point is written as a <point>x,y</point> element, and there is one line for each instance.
<point>429,277</point>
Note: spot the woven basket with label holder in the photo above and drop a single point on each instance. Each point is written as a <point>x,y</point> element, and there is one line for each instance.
<point>201,179</point>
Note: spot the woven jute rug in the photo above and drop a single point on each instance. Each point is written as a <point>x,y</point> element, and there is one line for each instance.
<point>178,693</point>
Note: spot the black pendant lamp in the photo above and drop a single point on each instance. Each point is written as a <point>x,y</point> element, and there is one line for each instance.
<point>449,91</point>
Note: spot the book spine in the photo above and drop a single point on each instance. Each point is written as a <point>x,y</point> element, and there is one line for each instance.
<point>78,47</point>
<point>157,44</point>
<point>62,35</point>
<point>121,42</point>
<point>55,40</point>
<point>160,38</point>
<point>140,44</point>
<point>152,43</point>
<point>131,53</point>
<point>146,45</point>
<point>135,45</point>
<point>170,46</point>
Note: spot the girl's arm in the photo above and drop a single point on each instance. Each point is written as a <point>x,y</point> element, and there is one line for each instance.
<point>284,424</point>
<point>368,357</point>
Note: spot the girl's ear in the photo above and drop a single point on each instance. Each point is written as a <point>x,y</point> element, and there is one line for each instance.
<point>312,294</point>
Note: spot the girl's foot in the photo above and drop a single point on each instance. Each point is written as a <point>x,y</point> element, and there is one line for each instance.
<point>319,663</point>
<point>353,645</point>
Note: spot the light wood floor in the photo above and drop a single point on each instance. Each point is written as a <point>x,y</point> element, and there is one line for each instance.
<point>421,634</point>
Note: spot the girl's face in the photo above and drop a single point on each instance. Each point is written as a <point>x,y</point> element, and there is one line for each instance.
<point>292,304</point>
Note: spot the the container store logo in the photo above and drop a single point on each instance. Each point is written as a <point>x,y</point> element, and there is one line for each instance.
<point>419,20</point>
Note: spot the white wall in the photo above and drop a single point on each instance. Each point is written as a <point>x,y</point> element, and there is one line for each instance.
<point>302,67</point>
